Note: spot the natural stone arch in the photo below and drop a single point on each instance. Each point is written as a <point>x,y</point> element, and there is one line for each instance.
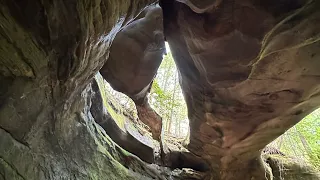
<point>242,77</point>
<point>227,53</point>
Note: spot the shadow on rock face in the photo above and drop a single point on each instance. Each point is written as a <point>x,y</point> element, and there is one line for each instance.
<point>135,56</point>
<point>126,140</point>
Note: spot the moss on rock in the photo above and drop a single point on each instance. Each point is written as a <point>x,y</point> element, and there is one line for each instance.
<point>288,168</point>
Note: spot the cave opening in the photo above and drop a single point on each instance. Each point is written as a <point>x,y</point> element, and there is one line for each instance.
<point>249,71</point>
<point>165,97</point>
<point>300,144</point>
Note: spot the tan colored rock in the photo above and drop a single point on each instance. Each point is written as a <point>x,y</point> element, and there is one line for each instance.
<point>249,71</point>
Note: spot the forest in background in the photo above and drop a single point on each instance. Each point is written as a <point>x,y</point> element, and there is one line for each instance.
<point>301,142</point>
<point>167,99</point>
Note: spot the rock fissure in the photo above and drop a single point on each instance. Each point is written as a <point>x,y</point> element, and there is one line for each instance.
<point>18,140</point>
<point>10,167</point>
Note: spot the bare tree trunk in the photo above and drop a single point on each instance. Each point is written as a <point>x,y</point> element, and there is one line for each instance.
<point>165,84</point>
<point>179,128</point>
<point>172,102</point>
<point>167,125</point>
<point>303,141</point>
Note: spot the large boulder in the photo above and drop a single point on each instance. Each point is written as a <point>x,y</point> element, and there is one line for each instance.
<point>290,168</point>
<point>136,54</point>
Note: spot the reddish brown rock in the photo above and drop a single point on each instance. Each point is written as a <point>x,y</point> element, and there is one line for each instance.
<point>250,71</point>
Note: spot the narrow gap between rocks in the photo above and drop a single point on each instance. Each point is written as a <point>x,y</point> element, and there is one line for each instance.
<point>167,99</point>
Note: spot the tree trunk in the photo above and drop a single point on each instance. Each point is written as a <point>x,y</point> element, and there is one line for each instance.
<point>172,103</point>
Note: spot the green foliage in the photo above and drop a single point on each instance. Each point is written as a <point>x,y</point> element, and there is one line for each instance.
<point>309,132</point>
<point>290,168</point>
<point>303,140</point>
<point>167,99</point>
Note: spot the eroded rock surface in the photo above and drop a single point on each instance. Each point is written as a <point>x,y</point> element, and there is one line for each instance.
<point>289,168</point>
<point>249,71</point>
<point>124,139</point>
<point>135,57</point>
<point>174,155</point>
<point>49,52</point>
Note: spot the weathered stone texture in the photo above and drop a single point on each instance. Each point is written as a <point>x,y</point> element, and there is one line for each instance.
<point>249,70</point>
